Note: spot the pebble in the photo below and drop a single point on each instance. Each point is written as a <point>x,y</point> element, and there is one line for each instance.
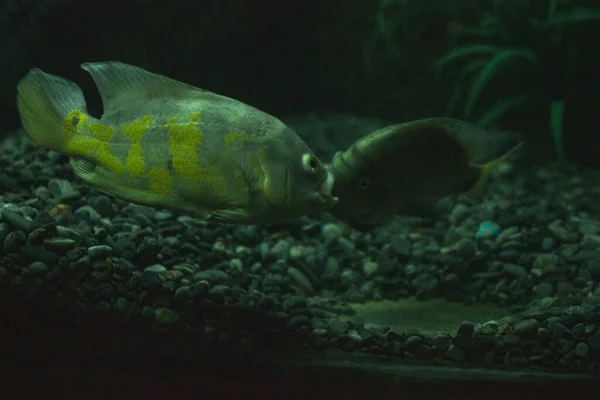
<point>148,264</point>
<point>458,214</point>
<point>297,322</point>
<point>594,341</point>
<point>511,339</point>
<point>487,230</point>
<point>281,250</point>
<point>527,327</point>
<point>548,244</point>
<point>157,268</point>
<point>482,343</point>
<point>60,245</point>
<point>166,317</point>
<point>331,232</point>
<point>582,349</point>
<point>88,214</point>
<point>560,232</point>
<point>212,276</point>
<point>544,289</point>
<point>465,249</point>
<point>441,341</point>
<point>466,328</point>
<point>38,267</point>
<point>514,270</point>
<point>14,219</point>
<point>64,232</point>
<point>98,252</point>
<point>456,353</point>
<point>62,190</point>
<point>413,342</point>
<point>401,245</point>
<point>370,268</point>
<point>301,280</point>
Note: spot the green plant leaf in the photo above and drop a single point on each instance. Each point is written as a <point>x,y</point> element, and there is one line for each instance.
<point>465,51</point>
<point>451,104</point>
<point>552,8</point>
<point>502,107</point>
<point>576,15</point>
<point>450,107</point>
<point>557,111</point>
<point>492,68</point>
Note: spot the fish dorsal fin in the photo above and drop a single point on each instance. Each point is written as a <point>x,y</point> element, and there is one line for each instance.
<point>400,137</point>
<point>483,146</point>
<point>119,83</point>
<point>480,146</point>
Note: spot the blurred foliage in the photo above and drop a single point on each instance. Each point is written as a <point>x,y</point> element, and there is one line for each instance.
<point>519,39</point>
<point>406,37</point>
<point>515,54</point>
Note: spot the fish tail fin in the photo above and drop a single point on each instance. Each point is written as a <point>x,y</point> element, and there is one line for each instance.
<point>475,191</point>
<point>44,101</point>
<point>482,145</point>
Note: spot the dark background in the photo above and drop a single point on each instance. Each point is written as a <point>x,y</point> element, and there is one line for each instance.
<point>286,57</point>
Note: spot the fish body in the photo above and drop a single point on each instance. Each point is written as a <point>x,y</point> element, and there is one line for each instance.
<point>399,167</point>
<point>164,143</point>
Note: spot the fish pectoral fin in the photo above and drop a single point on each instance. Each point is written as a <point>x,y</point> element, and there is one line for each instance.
<point>83,168</point>
<point>228,216</point>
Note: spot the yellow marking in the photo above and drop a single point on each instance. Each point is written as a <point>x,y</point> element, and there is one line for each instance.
<point>74,124</point>
<point>103,153</point>
<point>135,160</point>
<point>174,118</point>
<point>102,132</point>
<point>80,145</point>
<point>195,117</point>
<point>135,164</point>
<point>185,140</point>
<point>161,181</point>
<point>136,130</point>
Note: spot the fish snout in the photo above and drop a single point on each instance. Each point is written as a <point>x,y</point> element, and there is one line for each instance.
<point>325,190</point>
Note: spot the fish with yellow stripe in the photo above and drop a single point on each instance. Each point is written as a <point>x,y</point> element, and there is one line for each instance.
<point>164,143</point>
<point>401,168</point>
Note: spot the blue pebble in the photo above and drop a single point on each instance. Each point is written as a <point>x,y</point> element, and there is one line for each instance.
<point>487,229</point>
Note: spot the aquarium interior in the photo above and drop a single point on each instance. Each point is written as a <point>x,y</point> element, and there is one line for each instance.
<point>461,299</point>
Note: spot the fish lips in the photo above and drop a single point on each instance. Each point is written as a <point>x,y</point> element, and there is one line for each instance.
<point>325,190</point>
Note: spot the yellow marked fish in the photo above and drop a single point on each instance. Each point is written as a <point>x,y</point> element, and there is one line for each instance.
<point>164,143</point>
<point>398,167</point>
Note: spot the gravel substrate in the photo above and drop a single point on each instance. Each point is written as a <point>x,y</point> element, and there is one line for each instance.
<point>533,246</point>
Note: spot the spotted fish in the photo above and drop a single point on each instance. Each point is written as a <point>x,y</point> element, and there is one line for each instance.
<point>164,143</point>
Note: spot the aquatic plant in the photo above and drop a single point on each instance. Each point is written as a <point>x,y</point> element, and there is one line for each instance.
<point>504,55</point>
<point>530,54</point>
<point>395,26</point>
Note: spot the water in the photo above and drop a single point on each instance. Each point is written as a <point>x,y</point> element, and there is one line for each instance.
<point>493,293</point>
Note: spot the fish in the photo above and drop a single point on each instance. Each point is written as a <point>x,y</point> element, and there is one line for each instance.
<point>400,168</point>
<point>166,144</point>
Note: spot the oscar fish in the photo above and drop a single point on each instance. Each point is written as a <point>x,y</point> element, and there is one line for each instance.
<point>164,143</point>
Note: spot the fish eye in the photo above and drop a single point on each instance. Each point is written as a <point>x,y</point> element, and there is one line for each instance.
<point>364,183</point>
<point>310,163</point>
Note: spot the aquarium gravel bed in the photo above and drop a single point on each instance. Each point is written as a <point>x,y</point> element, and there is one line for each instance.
<point>531,247</point>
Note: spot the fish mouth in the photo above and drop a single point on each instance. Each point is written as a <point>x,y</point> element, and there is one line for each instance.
<point>325,190</point>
